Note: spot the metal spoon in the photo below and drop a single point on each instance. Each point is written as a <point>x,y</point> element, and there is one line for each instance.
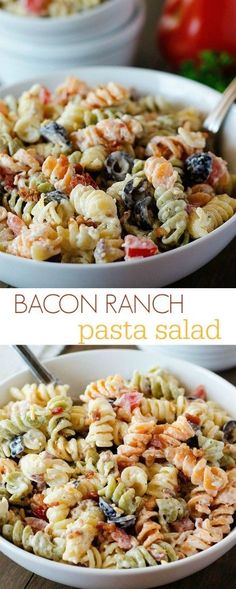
<point>38,370</point>
<point>215,119</point>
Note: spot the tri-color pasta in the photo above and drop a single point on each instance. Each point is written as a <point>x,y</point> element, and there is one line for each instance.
<point>99,175</point>
<point>45,8</point>
<point>139,473</point>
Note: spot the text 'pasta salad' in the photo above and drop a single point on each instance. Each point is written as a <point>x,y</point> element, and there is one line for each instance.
<point>98,175</point>
<point>141,473</point>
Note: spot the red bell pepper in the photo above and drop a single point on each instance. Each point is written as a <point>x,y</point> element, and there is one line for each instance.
<point>188,27</point>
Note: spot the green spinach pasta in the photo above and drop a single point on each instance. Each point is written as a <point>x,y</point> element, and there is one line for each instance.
<point>98,175</point>
<point>139,473</point>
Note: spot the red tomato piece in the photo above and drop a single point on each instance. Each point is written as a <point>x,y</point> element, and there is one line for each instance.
<point>139,247</point>
<point>193,418</point>
<point>36,6</point>
<point>57,410</point>
<point>200,393</point>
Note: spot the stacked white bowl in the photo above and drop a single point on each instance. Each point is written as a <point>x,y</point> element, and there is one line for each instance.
<point>212,357</point>
<point>105,35</point>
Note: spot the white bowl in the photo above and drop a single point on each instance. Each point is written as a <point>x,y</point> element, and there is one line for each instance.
<point>211,357</point>
<point>91,23</point>
<point>156,271</point>
<point>78,370</point>
<point>22,57</point>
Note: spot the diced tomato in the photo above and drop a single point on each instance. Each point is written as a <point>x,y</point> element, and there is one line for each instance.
<point>193,418</point>
<point>139,247</point>
<point>57,410</point>
<point>183,525</point>
<point>122,538</point>
<point>36,6</point>
<point>129,401</point>
<point>45,95</point>
<point>200,393</point>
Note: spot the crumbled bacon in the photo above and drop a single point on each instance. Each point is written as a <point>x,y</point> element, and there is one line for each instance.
<point>129,401</point>
<point>88,222</point>
<point>122,538</point>
<point>183,525</point>
<point>84,179</point>
<point>30,194</point>
<point>36,524</point>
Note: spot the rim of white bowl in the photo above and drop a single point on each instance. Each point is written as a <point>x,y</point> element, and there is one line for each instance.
<point>142,570</point>
<point>61,20</point>
<point>168,254</point>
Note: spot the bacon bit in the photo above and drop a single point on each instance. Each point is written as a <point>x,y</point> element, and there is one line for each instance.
<point>40,512</point>
<point>96,415</point>
<point>92,495</point>
<point>36,524</point>
<point>193,418</point>
<point>8,180</point>
<point>38,506</point>
<point>122,538</point>
<point>149,503</point>
<point>160,232</point>
<point>90,474</point>
<point>45,96</point>
<point>84,179</point>
<point>4,109</point>
<point>198,199</point>
<point>124,461</point>
<point>129,401</point>
<point>155,442</point>
<point>29,194</point>
<point>57,410</point>
<point>183,525</point>
<point>15,223</point>
<point>88,222</point>
<point>200,393</point>
<point>111,531</point>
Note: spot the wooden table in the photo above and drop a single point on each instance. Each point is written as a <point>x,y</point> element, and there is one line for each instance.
<point>221,574</point>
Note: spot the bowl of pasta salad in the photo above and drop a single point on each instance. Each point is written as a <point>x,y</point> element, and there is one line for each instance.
<point>87,18</point>
<point>108,176</point>
<point>132,483</point>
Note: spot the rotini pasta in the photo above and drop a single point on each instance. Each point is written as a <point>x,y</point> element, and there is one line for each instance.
<point>138,473</point>
<point>98,175</point>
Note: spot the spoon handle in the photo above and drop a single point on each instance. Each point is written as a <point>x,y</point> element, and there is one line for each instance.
<point>215,119</point>
<point>36,367</point>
